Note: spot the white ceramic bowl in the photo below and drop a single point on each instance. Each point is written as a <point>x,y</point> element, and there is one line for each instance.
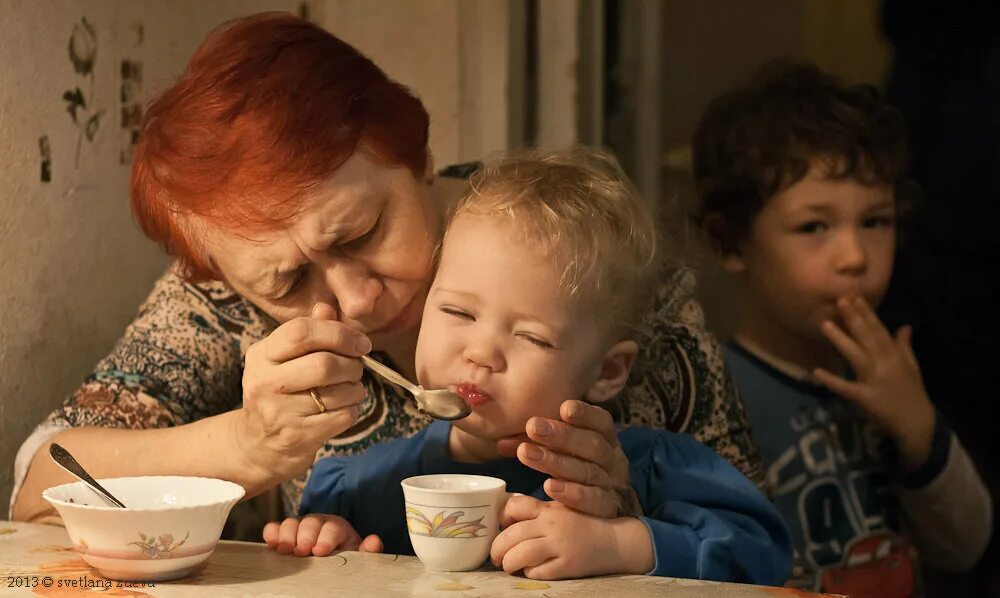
<point>171,525</point>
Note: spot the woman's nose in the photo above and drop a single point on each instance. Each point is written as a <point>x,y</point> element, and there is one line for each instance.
<point>354,287</point>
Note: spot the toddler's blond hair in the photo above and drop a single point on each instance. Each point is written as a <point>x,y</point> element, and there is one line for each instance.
<point>579,208</point>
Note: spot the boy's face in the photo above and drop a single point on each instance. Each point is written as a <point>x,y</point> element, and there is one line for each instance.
<point>497,330</point>
<point>814,242</point>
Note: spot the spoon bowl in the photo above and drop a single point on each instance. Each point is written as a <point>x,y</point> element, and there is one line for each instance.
<point>439,404</point>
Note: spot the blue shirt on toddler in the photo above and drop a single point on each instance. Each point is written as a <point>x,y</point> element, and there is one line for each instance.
<point>706,520</point>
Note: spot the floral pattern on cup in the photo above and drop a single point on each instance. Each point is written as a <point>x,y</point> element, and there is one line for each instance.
<point>153,547</point>
<point>443,526</point>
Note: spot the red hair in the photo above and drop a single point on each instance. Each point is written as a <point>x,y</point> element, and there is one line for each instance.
<point>269,106</point>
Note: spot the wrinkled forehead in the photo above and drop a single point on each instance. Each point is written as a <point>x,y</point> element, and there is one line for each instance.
<point>328,212</point>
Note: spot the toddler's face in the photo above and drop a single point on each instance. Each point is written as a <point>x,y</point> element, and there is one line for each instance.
<point>497,330</point>
<point>818,240</point>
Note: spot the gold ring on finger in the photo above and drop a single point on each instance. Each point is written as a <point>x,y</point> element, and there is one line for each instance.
<point>316,399</point>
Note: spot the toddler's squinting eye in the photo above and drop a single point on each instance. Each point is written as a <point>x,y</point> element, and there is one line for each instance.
<point>538,342</point>
<point>451,311</point>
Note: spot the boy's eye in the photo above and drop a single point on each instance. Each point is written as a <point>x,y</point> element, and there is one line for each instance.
<point>812,227</point>
<point>538,342</point>
<point>458,313</point>
<point>878,222</point>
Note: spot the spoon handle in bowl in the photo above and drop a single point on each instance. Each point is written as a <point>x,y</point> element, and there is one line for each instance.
<point>65,460</point>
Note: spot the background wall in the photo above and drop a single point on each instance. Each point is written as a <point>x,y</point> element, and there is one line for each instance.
<point>75,76</point>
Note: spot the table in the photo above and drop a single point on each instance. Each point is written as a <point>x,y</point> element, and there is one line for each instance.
<point>41,555</point>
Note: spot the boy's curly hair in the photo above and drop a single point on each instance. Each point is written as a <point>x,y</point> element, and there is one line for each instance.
<point>755,142</point>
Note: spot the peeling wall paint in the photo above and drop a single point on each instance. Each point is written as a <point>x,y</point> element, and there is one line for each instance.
<point>74,268</point>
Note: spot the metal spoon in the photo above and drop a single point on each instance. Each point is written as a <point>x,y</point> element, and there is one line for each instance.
<point>65,460</point>
<point>439,404</point>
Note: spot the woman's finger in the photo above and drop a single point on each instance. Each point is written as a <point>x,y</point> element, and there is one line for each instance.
<point>321,368</point>
<point>589,417</point>
<point>564,467</point>
<point>301,336</point>
<point>332,398</point>
<point>587,444</point>
<point>852,351</point>
<point>591,500</point>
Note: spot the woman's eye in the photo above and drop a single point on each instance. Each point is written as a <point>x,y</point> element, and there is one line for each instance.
<point>534,340</point>
<point>294,285</point>
<point>451,311</point>
<point>364,239</point>
<point>810,228</point>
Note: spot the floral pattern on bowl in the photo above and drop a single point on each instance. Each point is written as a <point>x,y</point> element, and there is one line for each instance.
<point>153,547</point>
<point>442,526</point>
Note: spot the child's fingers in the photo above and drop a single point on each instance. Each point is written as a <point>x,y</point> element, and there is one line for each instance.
<point>857,325</point>
<point>881,333</point>
<point>371,543</point>
<point>851,350</point>
<point>307,534</point>
<point>554,568</point>
<point>904,339</point>
<point>520,508</point>
<point>849,390</point>
<point>509,539</point>
<point>287,534</point>
<point>271,534</point>
<point>336,534</point>
<point>527,555</point>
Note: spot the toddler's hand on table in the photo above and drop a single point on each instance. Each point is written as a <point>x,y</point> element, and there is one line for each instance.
<point>888,388</point>
<point>590,472</point>
<point>317,535</point>
<point>548,540</point>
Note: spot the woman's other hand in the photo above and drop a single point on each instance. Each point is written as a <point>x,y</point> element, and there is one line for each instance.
<point>589,470</point>
<point>282,426</point>
<point>317,535</point>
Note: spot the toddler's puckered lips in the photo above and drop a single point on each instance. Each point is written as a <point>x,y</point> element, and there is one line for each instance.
<point>472,395</point>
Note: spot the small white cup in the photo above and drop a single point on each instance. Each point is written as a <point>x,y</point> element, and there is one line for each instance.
<point>452,518</point>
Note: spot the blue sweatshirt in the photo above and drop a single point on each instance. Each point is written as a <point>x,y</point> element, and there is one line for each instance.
<point>706,520</point>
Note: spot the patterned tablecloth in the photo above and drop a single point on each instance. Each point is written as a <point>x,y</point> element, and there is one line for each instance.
<point>38,560</point>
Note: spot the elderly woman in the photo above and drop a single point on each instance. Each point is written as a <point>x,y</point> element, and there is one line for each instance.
<point>291,180</point>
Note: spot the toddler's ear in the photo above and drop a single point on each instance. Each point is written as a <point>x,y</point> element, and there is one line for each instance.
<point>615,367</point>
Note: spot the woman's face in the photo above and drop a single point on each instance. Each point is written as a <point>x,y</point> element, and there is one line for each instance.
<point>363,243</point>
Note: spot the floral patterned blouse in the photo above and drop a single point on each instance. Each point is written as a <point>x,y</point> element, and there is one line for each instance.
<point>182,359</point>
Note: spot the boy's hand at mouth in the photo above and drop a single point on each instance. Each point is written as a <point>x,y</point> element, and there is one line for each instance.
<point>888,388</point>
<point>589,470</point>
